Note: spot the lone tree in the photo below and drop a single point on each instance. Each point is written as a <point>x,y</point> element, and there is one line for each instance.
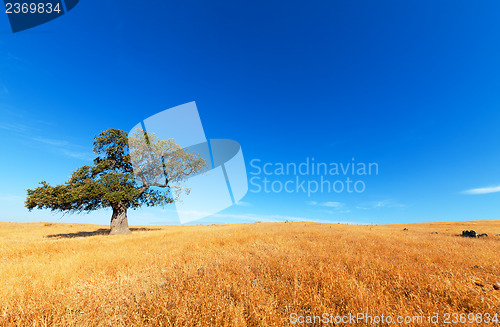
<point>160,167</point>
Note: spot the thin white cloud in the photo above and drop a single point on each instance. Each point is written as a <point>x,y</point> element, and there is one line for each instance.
<point>65,147</point>
<point>51,141</point>
<point>331,212</point>
<point>332,204</point>
<point>483,190</point>
<point>329,204</point>
<point>380,204</point>
<point>13,127</point>
<point>87,156</point>
<point>60,146</point>
<point>243,204</point>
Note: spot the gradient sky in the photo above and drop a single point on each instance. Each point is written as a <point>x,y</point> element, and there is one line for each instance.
<point>413,86</point>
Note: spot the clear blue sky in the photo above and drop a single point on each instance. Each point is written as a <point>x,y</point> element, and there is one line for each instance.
<point>411,85</point>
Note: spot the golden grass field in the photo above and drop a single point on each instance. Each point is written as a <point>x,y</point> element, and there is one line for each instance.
<point>246,274</point>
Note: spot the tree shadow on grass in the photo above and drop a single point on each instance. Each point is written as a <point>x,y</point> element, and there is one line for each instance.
<point>100,231</point>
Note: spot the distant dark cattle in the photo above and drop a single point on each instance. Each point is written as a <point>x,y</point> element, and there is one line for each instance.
<point>405,229</point>
<point>472,233</point>
<point>467,233</point>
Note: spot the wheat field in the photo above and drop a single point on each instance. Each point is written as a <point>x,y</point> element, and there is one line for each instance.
<point>262,274</point>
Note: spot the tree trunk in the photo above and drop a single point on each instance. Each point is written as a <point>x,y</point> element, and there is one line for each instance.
<point>119,223</point>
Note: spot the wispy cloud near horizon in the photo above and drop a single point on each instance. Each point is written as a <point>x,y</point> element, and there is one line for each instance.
<point>380,204</point>
<point>331,207</point>
<point>243,204</point>
<point>483,190</point>
<point>329,204</point>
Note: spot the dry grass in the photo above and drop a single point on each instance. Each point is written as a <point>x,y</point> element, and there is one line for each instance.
<point>243,275</point>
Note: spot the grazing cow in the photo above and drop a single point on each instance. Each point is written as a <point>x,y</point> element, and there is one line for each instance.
<point>467,233</point>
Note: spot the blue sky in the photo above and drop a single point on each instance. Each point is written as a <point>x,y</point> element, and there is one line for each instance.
<point>412,86</point>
